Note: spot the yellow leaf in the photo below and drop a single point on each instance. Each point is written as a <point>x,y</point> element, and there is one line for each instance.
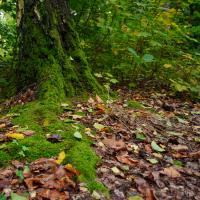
<point>70,168</point>
<point>46,122</point>
<point>87,130</point>
<point>17,136</point>
<point>61,157</point>
<point>167,65</point>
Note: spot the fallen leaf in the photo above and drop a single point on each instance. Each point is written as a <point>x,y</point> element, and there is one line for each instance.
<point>144,188</point>
<point>179,147</point>
<point>2,197</point>
<point>98,126</point>
<point>171,172</point>
<point>152,160</point>
<point>75,117</point>
<point>101,107</point>
<point>126,159</point>
<point>156,147</point>
<point>78,135</point>
<point>91,101</point>
<point>96,195</point>
<point>46,123</point>
<point>114,144</point>
<point>54,138</point>
<point>140,136</point>
<point>98,99</point>
<point>70,168</point>
<point>175,133</point>
<point>17,136</point>
<point>195,154</point>
<point>135,198</point>
<point>28,133</point>
<point>88,133</point>
<point>2,125</point>
<point>52,194</point>
<point>15,196</point>
<point>115,170</point>
<point>61,157</point>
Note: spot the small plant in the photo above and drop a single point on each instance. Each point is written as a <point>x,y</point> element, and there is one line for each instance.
<point>23,149</point>
<point>107,80</point>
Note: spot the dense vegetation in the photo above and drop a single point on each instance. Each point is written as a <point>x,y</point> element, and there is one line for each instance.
<point>137,42</point>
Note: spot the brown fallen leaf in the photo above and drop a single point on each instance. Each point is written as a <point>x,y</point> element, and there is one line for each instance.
<point>6,173</point>
<point>179,147</point>
<point>148,148</point>
<point>91,101</point>
<point>195,154</point>
<point>144,188</point>
<point>17,164</point>
<point>179,155</point>
<point>4,183</point>
<point>101,107</point>
<point>171,172</point>
<point>28,132</point>
<point>43,164</point>
<point>2,125</point>
<point>51,194</point>
<point>98,99</point>
<point>126,159</point>
<point>71,169</point>
<point>114,144</point>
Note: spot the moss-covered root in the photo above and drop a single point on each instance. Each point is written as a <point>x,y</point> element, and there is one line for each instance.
<point>42,117</point>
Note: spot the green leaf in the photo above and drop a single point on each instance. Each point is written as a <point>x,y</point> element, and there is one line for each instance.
<point>132,51</point>
<point>107,86</point>
<point>178,86</point>
<point>152,160</point>
<point>109,75</point>
<point>135,198</point>
<point>177,163</point>
<point>140,136</point>
<point>19,173</point>
<point>197,140</point>
<point>98,75</point>
<point>78,135</point>
<point>98,126</point>
<point>156,147</point>
<point>15,196</point>
<point>148,58</point>
<point>25,148</point>
<point>2,197</point>
<point>114,81</point>
<point>134,104</point>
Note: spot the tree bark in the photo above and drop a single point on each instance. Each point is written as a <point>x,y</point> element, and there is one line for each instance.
<point>49,50</point>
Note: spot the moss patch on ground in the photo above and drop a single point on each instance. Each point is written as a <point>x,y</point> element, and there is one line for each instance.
<point>42,117</point>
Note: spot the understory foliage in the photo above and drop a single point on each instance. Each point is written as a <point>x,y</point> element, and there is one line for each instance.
<point>138,41</point>
<point>143,40</point>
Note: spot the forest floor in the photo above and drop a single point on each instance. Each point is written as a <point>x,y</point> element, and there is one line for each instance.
<point>148,144</point>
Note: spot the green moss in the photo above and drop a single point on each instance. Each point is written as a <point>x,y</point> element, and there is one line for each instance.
<point>134,104</point>
<point>4,158</point>
<point>42,117</point>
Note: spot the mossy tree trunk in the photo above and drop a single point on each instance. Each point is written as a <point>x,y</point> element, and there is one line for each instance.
<point>49,50</point>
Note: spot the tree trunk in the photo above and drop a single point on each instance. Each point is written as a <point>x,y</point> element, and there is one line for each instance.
<point>49,50</point>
